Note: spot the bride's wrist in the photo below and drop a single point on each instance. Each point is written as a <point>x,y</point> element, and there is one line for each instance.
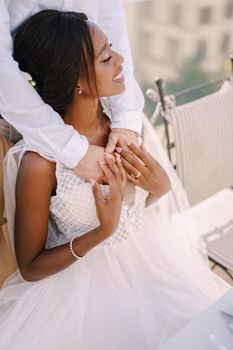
<point>83,244</point>
<point>103,232</point>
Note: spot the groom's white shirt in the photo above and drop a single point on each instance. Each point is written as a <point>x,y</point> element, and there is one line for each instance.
<point>21,106</point>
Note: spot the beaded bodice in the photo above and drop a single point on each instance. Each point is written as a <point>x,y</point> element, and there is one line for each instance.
<point>73,207</point>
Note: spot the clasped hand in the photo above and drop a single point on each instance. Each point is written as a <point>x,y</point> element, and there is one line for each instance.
<point>132,163</point>
<point>143,170</point>
<point>108,208</point>
<point>139,167</point>
<point>88,167</point>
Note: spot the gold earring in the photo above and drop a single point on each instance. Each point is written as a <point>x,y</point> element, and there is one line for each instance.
<point>79,90</point>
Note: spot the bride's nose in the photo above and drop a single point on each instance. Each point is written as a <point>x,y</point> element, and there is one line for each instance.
<point>119,59</point>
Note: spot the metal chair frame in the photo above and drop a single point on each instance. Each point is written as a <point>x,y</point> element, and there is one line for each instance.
<point>154,96</point>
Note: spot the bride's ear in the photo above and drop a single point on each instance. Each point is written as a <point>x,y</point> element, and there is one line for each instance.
<point>78,89</point>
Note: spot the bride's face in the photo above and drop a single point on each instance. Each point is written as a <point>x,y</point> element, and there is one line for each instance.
<point>108,64</point>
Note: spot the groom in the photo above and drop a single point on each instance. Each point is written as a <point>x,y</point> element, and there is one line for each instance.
<point>42,128</point>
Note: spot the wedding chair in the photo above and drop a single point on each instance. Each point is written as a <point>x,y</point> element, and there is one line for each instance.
<point>7,261</point>
<point>202,135</point>
<point>203,139</point>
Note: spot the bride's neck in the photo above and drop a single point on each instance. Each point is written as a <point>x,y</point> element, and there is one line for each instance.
<point>83,115</point>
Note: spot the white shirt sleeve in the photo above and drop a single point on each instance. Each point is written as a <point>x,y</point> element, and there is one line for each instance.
<point>42,128</point>
<point>126,108</point>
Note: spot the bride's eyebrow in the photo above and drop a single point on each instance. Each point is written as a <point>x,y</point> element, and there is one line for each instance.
<point>102,50</point>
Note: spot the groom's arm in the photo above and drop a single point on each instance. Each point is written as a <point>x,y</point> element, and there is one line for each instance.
<point>42,128</point>
<point>125,108</point>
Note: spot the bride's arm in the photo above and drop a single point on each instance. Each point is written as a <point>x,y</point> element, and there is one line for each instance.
<point>35,183</point>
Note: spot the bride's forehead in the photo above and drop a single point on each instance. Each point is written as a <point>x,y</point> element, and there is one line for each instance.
<point>98,36</point>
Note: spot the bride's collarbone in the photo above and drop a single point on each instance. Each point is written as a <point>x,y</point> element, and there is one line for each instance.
<point>99,137</point>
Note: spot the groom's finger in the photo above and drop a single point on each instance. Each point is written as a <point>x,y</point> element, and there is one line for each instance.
<point>112,142</point>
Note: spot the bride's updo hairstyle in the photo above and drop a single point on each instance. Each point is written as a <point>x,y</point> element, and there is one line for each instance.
<point>56,49</point>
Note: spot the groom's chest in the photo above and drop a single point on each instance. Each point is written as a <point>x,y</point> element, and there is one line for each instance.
<point>19,10</point>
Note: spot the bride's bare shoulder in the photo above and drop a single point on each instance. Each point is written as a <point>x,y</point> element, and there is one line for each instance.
<point>34,167</point>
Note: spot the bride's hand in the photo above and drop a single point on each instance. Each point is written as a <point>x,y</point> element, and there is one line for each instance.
<point>144,171</point>
<point>109,209</point>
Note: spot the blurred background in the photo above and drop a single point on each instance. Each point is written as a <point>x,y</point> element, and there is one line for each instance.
<point>184,42</point>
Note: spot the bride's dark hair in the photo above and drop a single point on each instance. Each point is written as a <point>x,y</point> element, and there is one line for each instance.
<point>56,49</point>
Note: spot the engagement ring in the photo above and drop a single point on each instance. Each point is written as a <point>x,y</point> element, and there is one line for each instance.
<point>136,176</point>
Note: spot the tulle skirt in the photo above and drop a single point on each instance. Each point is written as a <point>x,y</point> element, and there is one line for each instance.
<point>131,295</point>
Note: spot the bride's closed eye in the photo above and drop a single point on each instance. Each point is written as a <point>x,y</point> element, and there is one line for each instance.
<point>109,57</point>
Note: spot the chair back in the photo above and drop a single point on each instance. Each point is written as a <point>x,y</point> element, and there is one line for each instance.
<point>203,137</point>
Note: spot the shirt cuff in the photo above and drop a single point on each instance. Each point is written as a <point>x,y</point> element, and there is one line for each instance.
<point>128,120</point>
<point>74,150</point>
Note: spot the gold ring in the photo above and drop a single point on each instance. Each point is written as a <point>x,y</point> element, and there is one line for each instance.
<point>136,176</point>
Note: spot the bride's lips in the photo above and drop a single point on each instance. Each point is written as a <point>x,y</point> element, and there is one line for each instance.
<point>119,78</point>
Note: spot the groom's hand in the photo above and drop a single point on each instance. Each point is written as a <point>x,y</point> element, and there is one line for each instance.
<point>121,138</point>
<point>88,168</point>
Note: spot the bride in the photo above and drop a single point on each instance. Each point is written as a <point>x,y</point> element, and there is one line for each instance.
<point>96,270</point>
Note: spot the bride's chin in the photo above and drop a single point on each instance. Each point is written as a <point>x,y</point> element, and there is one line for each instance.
<point>114,91</point>
<point>120,89</point>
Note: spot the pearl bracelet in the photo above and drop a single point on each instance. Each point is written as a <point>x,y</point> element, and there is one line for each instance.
<point>72,250</point>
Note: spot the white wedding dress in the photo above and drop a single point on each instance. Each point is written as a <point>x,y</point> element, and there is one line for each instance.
<point>132,292</point>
